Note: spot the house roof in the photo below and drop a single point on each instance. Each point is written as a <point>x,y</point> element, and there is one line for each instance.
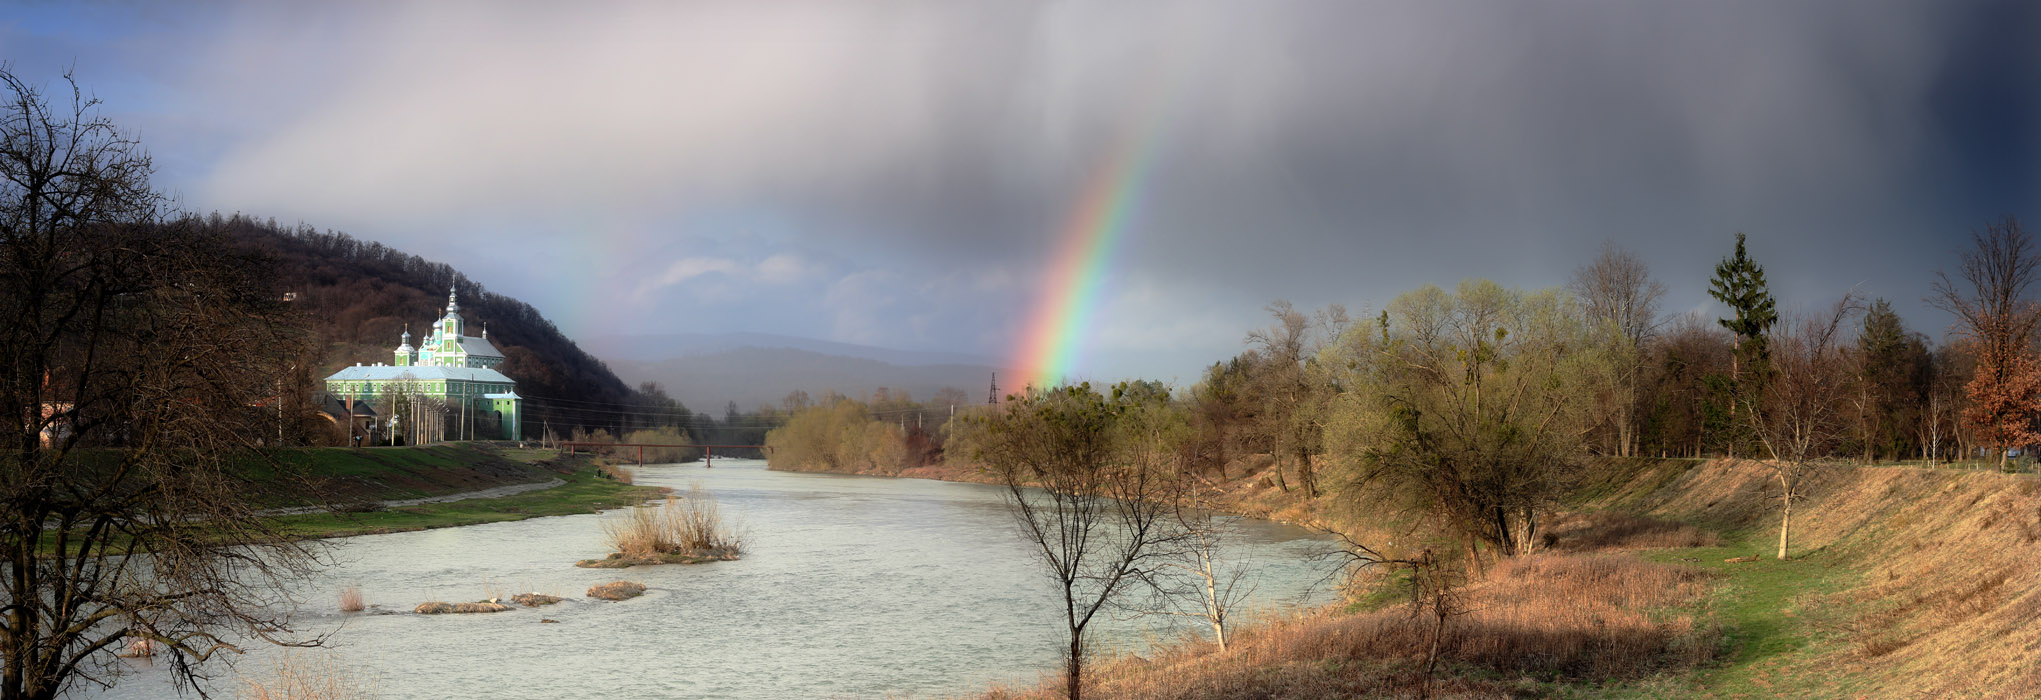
<point>337,407</point>
<point>479,346</point>
<point>418,373</point>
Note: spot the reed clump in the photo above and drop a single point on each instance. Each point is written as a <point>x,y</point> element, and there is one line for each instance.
<point>687,529</point>
<point>616,590</point>
<point>351,600</point>
<point>305,676</point>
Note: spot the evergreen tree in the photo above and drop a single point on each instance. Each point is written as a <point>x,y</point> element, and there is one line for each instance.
<point>1892,382</point>
<point>1740,283</point>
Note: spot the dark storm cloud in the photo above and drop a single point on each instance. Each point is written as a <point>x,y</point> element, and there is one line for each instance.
<point>915,161</point>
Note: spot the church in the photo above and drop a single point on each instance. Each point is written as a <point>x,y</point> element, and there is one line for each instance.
<point>446,389</point>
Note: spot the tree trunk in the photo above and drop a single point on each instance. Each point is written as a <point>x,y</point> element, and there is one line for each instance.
<point>1786,522</point>
<point>1073,669</point>
<point>1431,658</point>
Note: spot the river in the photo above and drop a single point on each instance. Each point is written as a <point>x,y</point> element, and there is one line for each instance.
<point>851,587</point>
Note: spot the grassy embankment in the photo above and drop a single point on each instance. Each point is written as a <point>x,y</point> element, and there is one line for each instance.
<point>1904,582</point>
<point>360,476</point>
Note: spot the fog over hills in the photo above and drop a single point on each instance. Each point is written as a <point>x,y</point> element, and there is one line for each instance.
<point>706,371</point>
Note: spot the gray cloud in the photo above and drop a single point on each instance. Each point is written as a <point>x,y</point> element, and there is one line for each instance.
<point>912,152</point>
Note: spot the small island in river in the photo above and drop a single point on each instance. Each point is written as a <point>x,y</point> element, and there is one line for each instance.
<point>682,530</point>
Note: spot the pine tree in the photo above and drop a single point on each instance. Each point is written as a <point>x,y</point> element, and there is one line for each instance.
<point>1740,283</point>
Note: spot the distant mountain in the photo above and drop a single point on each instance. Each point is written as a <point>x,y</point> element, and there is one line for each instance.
<point>655,348</point>
<point>710,376</point>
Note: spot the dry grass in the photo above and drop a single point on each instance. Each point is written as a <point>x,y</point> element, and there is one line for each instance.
<point>438,608</point>
<point>533,600</point>
<point>616,590</point>
<point>1610,530</point>
<point>1941,596</point>
<point>690,525</point>
<point>622,475</point>
<point>298,675</point>
<point>1587,618</point>
<point>351,600</point>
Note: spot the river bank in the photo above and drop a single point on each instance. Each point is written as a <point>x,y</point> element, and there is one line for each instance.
<point>1660,580</point>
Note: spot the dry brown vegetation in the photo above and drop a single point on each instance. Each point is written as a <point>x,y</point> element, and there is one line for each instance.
<point>683,530</point>
<point>616,590</point>
<point>438,608</point>
<point>1538,618</point>
<point>301,675</point>
<point>611,470</point>
<point>1941,596</point>
<point>1610,530</point>
<point>533,600</point>
<point>351,600</point>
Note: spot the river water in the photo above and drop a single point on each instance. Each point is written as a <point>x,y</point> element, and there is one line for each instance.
<point>850,587</point>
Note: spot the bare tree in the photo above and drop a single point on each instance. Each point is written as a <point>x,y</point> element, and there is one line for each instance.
<point>1089,480</point>
<point>1992,308</point>
<point>1799,415</point>
<point>1618,295</point>
<point>1200,581</point>
<point>134,355</point>
<point>1286,398</point>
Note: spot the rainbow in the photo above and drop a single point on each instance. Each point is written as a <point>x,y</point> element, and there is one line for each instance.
<point>1061,322</point>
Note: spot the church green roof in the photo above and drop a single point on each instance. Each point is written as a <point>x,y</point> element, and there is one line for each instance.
<point>417,373</point>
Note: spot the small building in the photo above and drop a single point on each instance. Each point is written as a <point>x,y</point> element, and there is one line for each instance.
<point>447,388</point>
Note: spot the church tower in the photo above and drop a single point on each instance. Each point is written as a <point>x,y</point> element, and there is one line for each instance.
<point>406,355</point>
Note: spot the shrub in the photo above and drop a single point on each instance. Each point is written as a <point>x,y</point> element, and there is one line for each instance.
<point>350,600</point>
<point>621,474</point>
<point>616,590</point>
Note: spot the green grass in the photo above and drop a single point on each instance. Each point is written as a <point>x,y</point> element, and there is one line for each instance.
<point>584,492</point>
<point>1770,619</point>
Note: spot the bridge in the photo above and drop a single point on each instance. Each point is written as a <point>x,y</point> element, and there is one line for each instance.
<point>708,451</point>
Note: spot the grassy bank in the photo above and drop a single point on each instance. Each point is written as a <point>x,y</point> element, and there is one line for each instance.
<point>399,473</point>
<point>320,475</point>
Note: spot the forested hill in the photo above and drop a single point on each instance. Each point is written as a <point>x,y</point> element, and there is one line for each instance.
<point>360,294</point>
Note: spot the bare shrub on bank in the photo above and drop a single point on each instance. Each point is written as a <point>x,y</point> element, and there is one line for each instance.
<point>619,473</point>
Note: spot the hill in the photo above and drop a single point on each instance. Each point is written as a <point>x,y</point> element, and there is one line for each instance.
<point>358,295</point>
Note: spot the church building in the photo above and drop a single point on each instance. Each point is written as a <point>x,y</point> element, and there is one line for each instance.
<point>446,389</point>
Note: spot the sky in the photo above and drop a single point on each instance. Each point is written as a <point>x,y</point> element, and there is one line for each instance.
<point>910,174</point>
